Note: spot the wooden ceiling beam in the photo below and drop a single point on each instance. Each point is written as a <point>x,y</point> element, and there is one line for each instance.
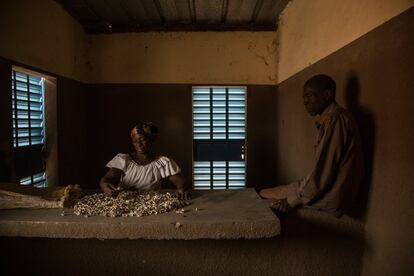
<point>103,21</point>
<point>224,11</point>
<point>257,8</point>
<point>160,12</point>
<point>192,10</point>
<point>97,23</point>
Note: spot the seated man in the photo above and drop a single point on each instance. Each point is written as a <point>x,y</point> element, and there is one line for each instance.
<point>338,165</point>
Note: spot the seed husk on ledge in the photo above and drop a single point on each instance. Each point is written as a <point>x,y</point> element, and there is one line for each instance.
<point>128,204</point>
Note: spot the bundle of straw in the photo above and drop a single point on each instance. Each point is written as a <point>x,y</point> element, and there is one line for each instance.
<point>14,196</point>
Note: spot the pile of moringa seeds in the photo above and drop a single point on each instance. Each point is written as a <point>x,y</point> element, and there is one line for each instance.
<point>128,204</point>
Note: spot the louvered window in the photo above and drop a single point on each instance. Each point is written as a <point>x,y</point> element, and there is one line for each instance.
<point>28,123</point>
<point>28,117</point>
<point>219,122</point>
<point>37,180</point>
<point>219,113</point>
<point>219,175</point>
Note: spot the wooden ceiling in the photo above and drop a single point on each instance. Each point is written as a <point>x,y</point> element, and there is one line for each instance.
<point>117,16</point>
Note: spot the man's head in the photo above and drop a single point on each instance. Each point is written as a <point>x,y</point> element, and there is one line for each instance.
<point>318,93</point>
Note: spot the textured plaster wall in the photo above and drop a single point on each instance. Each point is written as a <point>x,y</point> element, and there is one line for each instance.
<point>41,34</point>
<point>374,81</point>
<point>311,30</point>
<point>184,57</point>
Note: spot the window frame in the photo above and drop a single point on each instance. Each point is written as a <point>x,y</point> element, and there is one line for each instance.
<point>213,164</point>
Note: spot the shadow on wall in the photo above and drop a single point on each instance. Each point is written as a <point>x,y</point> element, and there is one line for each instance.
<point>7,171</point>
<point>4,167</point>
<point>366,124</point>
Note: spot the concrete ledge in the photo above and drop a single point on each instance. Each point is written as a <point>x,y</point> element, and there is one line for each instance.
<point>223,214</point>
<point>306,221</point>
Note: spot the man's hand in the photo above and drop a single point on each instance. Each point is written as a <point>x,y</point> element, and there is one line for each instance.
<point>281,205</point>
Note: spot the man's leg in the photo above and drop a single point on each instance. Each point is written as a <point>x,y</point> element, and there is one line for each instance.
<point>278,192</point>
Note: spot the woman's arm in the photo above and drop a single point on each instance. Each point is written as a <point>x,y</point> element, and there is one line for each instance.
<point>178,182</point>
<point>110,180</point>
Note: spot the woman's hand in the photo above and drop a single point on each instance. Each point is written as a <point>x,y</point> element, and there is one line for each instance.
<point>182,193</point>
<point>107,188</point>
<point>110,180</point>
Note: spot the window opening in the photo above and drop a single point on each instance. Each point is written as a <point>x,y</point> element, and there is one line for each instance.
<point>219,132</point>
<point>28,126</point>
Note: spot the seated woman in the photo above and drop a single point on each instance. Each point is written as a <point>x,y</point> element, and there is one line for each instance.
<point>141,169</point>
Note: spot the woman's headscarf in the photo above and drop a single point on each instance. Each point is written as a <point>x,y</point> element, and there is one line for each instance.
<point>148,129</point>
